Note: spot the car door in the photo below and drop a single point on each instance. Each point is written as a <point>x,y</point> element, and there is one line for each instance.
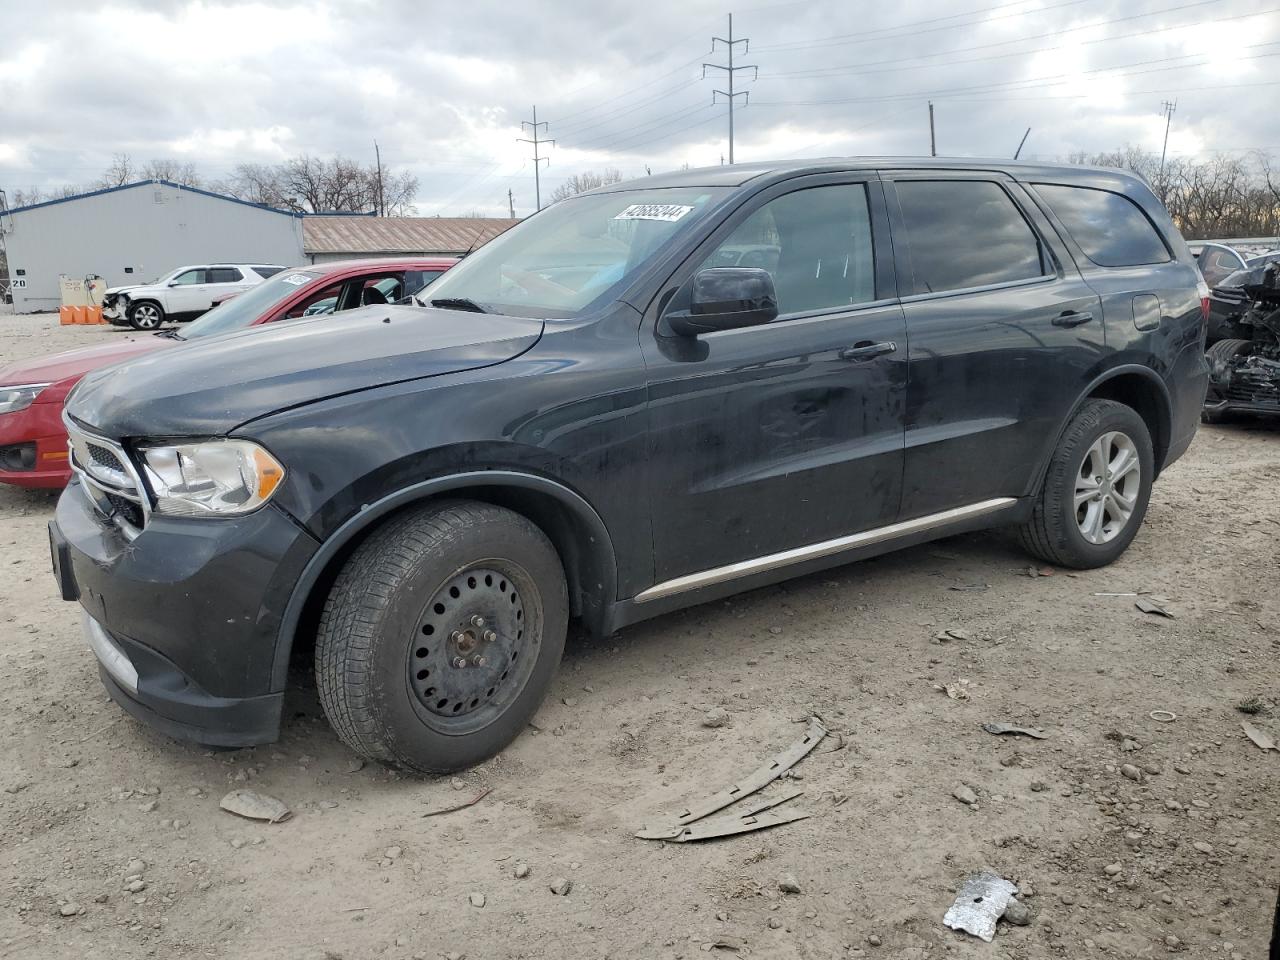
<point>1003,334</point>
<point>187,292</point>
<point>220,282</point>
<point>785,435</point>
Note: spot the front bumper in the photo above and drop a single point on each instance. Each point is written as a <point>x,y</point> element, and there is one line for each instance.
<point>184,619</point>
<point>41,424</point>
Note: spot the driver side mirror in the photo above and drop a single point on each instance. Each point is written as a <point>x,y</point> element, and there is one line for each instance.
<point>726,298</point>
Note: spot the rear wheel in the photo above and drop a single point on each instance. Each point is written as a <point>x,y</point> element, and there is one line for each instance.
<point>146,315</point>
<point>441,635</point>
<point>1096,490</point>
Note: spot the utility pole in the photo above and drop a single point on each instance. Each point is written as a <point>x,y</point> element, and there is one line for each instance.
<point>382,206</point>
<point>511,204</point>
<point>731,70</point>
<point>933,142</point>
<point>1167,107</point>
<point>533,126</point>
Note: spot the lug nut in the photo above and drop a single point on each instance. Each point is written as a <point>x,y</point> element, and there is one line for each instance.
<point>459,662</point>
<point>477,621</point>
<point>490,636</point>
<point>479,662</point>
<point>455,636</point>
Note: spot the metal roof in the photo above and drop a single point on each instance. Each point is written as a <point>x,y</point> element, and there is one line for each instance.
<point>364,235</point>
<point>149,183</point>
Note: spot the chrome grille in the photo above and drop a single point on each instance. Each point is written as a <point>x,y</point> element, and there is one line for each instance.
<point>108,479</point>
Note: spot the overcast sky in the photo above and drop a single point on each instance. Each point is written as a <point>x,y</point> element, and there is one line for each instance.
<point>443,87</point>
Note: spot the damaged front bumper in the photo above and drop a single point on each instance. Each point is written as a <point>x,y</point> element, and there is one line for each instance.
<point>115,308</point>
<point>1249,383</point>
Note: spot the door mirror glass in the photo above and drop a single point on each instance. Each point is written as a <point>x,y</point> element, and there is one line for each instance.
<point>726,298</point>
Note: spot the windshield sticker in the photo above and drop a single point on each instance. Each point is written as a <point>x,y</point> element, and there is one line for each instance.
<point>666,212</point>
<point>297,279</point>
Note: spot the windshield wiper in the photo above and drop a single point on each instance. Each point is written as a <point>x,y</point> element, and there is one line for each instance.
<point>458,303</point>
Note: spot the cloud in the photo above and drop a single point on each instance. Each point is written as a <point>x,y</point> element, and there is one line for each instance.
<point>443,91</point>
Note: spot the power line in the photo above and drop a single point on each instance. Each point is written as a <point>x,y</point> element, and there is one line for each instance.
<point>912,29</point>
<point>609,118</point>
<point>730,71</point>
<point>533,126</point>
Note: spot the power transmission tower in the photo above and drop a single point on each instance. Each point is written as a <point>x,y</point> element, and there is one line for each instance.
<point>1167,107</point>
<point>731,70</point>
<point>533,126</point>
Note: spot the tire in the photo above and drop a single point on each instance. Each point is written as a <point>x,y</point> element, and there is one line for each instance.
<point>1218,356</point>
<point>449,580</point>
<point>146,315</point>
<point>1092,534</point>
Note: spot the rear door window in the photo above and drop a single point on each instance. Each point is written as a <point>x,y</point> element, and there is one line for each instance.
<point>1111,229</point>
<point>966,233</point>
<point>223,275</point>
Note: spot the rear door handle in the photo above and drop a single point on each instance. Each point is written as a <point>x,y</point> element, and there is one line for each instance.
<point>1071,318</point>
<point>865,350</point>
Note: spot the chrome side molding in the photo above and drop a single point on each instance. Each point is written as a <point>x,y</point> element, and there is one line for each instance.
<point>826,548</point>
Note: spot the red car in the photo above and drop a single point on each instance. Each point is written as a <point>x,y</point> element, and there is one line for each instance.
<point>33,442</point>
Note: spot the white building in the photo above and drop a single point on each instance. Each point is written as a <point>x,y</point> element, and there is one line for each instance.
<point>134,234</point>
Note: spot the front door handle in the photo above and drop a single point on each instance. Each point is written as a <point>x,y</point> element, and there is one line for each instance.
<point>865,350</point>
<point>1072,318</point>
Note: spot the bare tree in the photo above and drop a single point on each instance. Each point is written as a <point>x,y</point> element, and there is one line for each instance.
<point>587,180</point>
<point>119,173</point>
<point>314,184</point>
<point>164,168</point>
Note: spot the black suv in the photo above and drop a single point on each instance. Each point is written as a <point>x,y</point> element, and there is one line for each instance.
<point>642,398</point>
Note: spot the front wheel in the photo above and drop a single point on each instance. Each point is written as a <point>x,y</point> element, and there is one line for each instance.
<point>146,316</point>
<point>440,636</point>
<point>1096,490</point>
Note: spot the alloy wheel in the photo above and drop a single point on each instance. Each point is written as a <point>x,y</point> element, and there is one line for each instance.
<point>1108,483</point>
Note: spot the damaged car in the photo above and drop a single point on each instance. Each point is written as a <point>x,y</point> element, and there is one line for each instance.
<point>1244,367</point>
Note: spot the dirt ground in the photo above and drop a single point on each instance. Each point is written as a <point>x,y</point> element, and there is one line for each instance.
<point>1183,861</point>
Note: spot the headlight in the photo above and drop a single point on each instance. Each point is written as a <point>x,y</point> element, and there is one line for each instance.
<point>211,478</point>
<point>19,397</point>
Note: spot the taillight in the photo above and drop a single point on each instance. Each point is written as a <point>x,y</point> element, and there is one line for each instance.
<point>1202,288</point>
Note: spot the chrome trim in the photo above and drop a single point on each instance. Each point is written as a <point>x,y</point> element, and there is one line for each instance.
<point>826,548</point>
<point>109,654</point>
<point>98,481</point>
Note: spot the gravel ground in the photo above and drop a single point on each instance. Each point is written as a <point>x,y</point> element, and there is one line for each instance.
<point>1182,860</point>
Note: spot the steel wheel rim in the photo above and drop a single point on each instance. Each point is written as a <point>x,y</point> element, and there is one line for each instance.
<point>474,646</point>
<point>146,317</point>
<point>1108,484</point>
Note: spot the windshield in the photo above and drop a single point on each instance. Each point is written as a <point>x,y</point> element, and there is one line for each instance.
<point>244,310</point>
<point>570,255</point>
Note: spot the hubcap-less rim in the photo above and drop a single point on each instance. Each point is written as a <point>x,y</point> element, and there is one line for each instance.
<point>147,317</point>
<point>1107,486</point>
<point>474,648</point>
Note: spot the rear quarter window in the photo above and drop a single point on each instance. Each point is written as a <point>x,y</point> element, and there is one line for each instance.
<point>1110,229</point>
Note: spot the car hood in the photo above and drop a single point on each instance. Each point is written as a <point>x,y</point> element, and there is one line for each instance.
<point>76,363</point>
<point>212,386</point>
<point>112,291</point>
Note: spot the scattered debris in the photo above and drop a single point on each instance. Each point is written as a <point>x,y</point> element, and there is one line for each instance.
<point>1253,706</point>
<point>561,886</point>
<point>355,765</point>
<point>969,587</point>
<point>746,819</point>
<point>1002,728</point>
<point>1163,716</point>
<point>734,944</point>
<point>1017,913</point>
<point>946,636</point>
<point>965,795</point>
<point>787,883</point>
<point>956,690</point>
<point>1263,740</point>
<point>255,806</point>
<point>1150,606</point>
<point>521,871</point>
<point>1117,594</point>
<point>980,902</point>
<point>715,717</point>
<point>477,899</point>
<point>1130,772</point>
<point>459,806</point>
